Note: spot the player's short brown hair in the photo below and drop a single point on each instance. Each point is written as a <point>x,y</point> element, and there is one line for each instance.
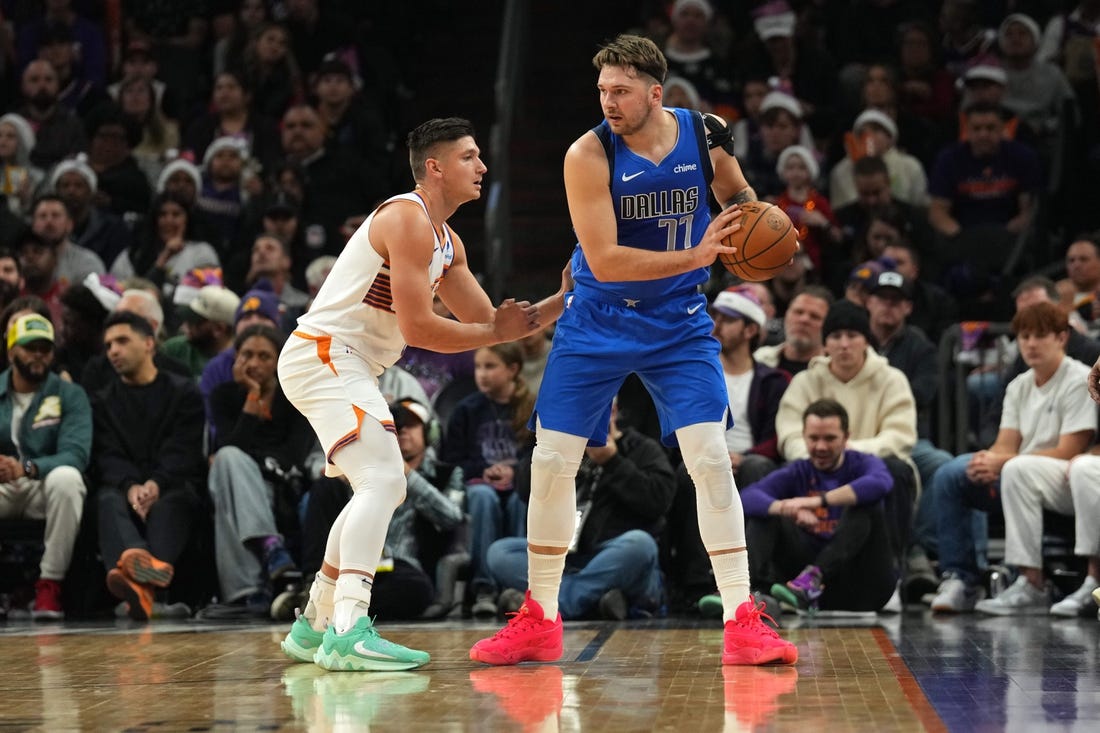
<point>635,52</point>
<point>421,141</point>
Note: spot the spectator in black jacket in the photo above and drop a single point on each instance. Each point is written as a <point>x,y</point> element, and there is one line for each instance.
<point>889,303</point>
<point>261,445</point>
<point>147,458</point>
<point>624,490</point>
<point>934,309</point>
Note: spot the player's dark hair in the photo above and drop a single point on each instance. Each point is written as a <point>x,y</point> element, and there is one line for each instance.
<point>422,141</point>
<point>635,52</point>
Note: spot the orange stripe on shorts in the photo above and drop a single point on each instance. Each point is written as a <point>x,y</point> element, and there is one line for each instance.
<point>350,437</point>
<point>324,345</point>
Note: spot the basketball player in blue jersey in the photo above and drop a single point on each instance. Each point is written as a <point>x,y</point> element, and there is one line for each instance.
<point>378,298</point>
<point>637,192</point>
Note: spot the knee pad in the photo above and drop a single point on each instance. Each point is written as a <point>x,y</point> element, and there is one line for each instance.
<point>713,481</point>
<point>549,459</point>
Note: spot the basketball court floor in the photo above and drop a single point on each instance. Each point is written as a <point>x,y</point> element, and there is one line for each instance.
<point>912,672</point>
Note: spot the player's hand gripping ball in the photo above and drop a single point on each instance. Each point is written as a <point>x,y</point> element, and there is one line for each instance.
<point>765,243</point>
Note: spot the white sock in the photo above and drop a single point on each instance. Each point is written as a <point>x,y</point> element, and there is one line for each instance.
<point>318,610</point>
<point>352,600</point>
<point>552,512</point>
<point>544,579</point>
<point>731,573</point>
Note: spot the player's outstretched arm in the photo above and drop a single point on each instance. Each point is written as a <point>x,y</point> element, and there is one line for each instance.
<point>405,239</point>
<point>593,214</point>
<point>551,307</point>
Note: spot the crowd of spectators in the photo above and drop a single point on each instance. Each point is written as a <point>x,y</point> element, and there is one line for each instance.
<point>176,182</point>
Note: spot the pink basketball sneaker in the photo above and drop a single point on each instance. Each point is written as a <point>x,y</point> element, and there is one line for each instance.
<point>528,637</point>
<point>748,640</point>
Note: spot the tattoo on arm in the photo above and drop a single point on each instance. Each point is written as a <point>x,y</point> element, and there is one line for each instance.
<point>744,195</point>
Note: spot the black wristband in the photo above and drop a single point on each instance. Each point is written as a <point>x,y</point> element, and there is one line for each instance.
<point>824,501</point>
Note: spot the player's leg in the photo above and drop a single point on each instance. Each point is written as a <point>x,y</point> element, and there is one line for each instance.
<point>375,469</point>
<point>316,391</point>
<point>535,633</point>
<point>696,411</point>
<point>747,638</point>
<point>575,381</point>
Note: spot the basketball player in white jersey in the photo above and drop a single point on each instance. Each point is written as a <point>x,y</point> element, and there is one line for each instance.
<point>377,299</point>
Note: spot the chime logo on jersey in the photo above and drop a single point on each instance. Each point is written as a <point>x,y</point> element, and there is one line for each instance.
<point>669,202</point>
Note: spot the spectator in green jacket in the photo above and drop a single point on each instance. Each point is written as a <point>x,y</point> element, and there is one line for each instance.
<point>42,462</point>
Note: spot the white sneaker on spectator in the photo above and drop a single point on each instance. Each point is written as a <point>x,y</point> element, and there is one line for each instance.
<point>1019,599</point>
<point>1077,602</point>
<point>955,596</point>
<point>893,605</point>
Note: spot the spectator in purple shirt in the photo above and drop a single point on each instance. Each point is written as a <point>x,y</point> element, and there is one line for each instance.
<point>820,521</point>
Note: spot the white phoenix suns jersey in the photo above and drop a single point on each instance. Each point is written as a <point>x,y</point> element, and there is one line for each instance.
<point>355,305</point>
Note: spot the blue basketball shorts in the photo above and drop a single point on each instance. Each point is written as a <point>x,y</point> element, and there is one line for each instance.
<point>599,341</point>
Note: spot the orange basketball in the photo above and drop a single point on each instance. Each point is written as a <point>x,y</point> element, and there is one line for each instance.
<point>765,243</point>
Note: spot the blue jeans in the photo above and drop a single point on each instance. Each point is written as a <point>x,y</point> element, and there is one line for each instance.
<point>627,562</point>
<point>953,499</point>
<point>493,515</point>
<point>928,459</point>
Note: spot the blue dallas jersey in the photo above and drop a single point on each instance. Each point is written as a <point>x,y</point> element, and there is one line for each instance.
<point>658,206</point>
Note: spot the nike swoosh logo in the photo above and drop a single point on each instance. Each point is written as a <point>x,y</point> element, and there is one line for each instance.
<point>632,176</point>
<point>692,309</point>
<point>360,648</point>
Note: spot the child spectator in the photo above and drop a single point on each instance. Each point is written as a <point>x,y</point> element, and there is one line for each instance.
<point>485,436</point>
<point>808,209</point>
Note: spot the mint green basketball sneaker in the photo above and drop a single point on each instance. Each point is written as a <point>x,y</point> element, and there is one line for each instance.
<point>303,641</point>
<point>361,649</point>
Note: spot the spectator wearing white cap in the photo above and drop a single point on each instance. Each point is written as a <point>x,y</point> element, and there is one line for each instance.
<point>1037,91</point>
<point>94,228</point>
<point>207,328</point>
<point>807,208</point>
<point>754,388</point>
<point>692,56</point>
<point>987,83</point>
<point>223,195</point>
<point>780,127</point>
<point>18,177</point>
<point>876,133</point>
